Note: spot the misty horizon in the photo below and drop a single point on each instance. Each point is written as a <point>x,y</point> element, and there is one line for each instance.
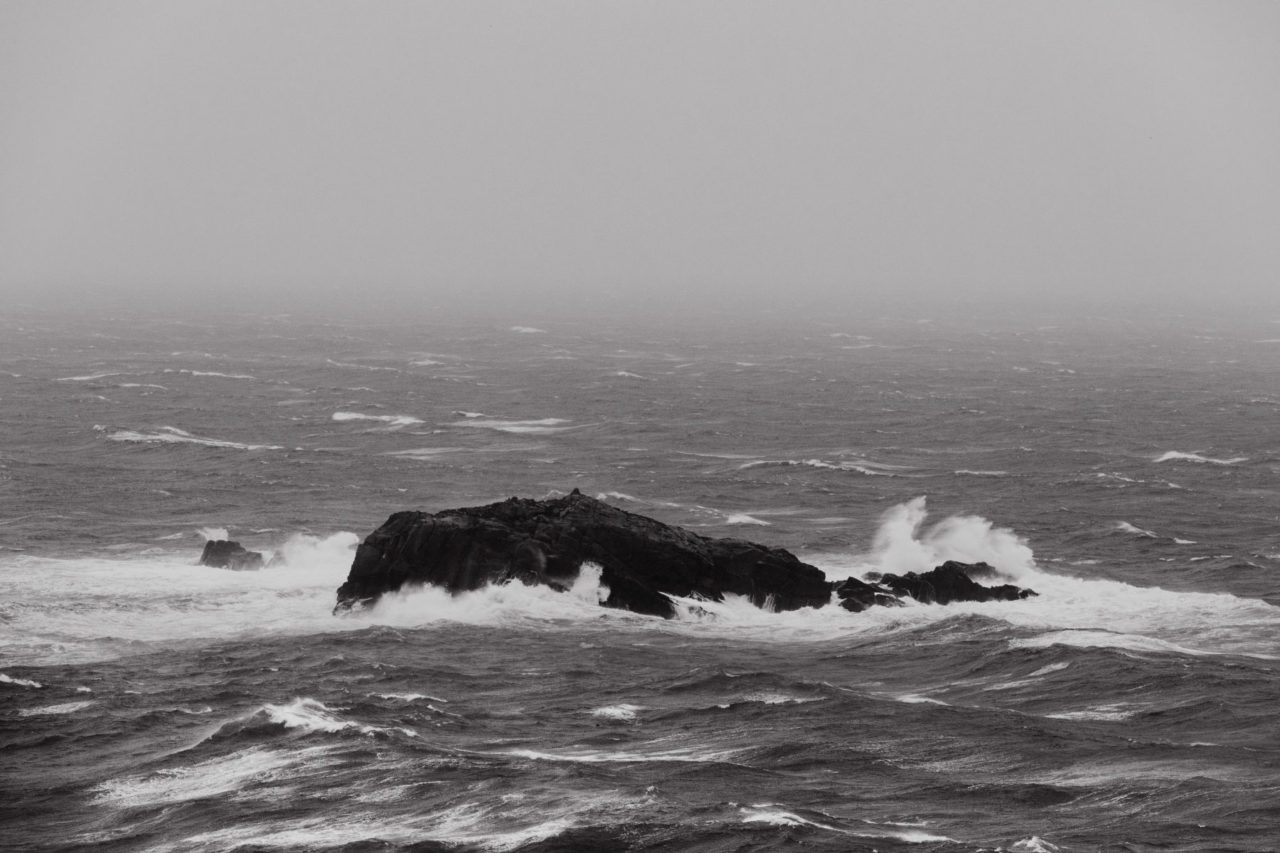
<point>743,159</point>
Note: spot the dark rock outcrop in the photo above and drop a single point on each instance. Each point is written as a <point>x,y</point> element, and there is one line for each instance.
<point>642,561</point>
<point>224,554</point>
<point>951,582</point>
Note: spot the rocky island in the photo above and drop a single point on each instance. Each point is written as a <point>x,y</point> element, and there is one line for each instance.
<point>642,561</point>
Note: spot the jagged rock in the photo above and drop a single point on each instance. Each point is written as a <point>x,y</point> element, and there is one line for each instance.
<point>642,561</point>
<point>224,554</point>
<point>857,595</point>
<point>952,582</point>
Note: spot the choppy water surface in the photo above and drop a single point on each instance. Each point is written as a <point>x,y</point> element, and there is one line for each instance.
<point>1125,470</point>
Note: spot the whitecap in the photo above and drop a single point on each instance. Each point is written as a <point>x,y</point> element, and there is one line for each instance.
<point>19,682</point>
<point>423,453</point>
<point>743,518</point>
<point>1101,713</point>
<point>51,710</point>
<point>769,698</point>
<point>775,815</point>
<point>532,427</point>
<point>88,378</point>
<point>1179,456</point>
<point>173,435</point>
<point>1126,527</point>
<point>1053,667</point>
<point>210,373</point>
<point>351,366</point>
<point>528,330</point>
<point>215,534</point>
<point>394,421</point>
<point>622,713</point>
<point>1033,844</point>
<point>409,697</point>
<point>214,777</point>
<point>688,755</point>
<point>861,466</point>
<point>965,472</point>
<point>311,715</point>
<point>1086,638</point>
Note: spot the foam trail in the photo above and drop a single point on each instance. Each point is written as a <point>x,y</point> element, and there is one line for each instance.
<point>1126,527</point>
<point>394,421</point>
<point>173,435</point>
<point>533,427</point>
<point>50,710</point>
<point>1178,456</point>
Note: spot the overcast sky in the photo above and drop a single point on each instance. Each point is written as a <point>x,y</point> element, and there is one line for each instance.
<point>616,154</point>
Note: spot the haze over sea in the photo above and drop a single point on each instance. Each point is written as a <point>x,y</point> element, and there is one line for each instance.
<point>1123,466</point>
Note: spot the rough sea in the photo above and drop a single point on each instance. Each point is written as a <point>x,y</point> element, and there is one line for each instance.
<point>1123,466</point>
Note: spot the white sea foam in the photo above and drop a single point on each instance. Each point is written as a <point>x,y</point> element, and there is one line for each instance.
<point>86,378</point>
<point>210,373</point>
<point>352,366</point>
<point>1178,456</point>
<point>1126,527</point>
<point>393,421</point>
<point>1086,638</point>
<point>410,697</point>
<point>861,466</point>
<point>528,330</point>
<point>964,472</point>
<point>53,710</point>
<point>87,609</point>
<point>497,825</point>
<point>310,715</point>
<point>173,435</point>
<point>743,518</point>
<point>539,426</point>
<point>1053,667</point>
<point>772,698</point>
<point>215,534</point>
<point>423,454</point>
<point>19,682</point>
<point>775,814</point>
<point>622,713</point>
<point>686,755</point>
<point>214,777</point>
<point>902,544</point>
<point>1033,844</point>
<point>1104,713</point>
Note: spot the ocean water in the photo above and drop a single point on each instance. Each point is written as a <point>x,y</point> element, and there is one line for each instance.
<point>1124,467</point>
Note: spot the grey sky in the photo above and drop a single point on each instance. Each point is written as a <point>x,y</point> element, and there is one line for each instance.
<point>620,153</point>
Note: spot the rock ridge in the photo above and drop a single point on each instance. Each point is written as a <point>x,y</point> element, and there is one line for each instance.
<point>642,561</point>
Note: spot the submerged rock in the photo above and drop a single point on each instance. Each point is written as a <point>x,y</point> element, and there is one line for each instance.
<point>642,561</point>
<point>224,554</point>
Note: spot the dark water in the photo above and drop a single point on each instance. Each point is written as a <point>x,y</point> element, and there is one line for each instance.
<point>1125,469</point>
